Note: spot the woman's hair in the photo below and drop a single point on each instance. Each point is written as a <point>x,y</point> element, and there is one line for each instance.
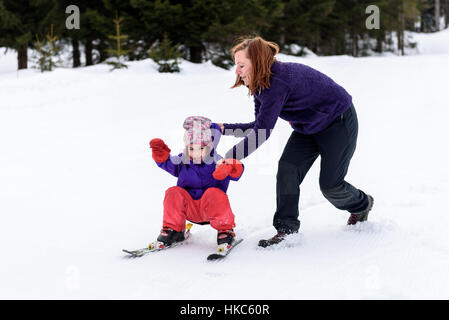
<point>261,53</point>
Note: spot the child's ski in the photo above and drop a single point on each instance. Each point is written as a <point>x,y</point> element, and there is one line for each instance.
<point>223,250</point>
<point>158,245</point>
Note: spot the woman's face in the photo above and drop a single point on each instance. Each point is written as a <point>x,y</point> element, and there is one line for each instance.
<point>244,66</point>
<point>197,152</point>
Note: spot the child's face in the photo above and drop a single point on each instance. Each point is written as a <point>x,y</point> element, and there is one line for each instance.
<point>197,152</point>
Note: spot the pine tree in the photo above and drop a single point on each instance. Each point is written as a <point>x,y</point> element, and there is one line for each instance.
<point>44,55</point>
<point>48,51</point>
<point>118,51</point>
<point>150,21</point>
<point>19,20</point>
<point>166,55</point>
<point>236,18</point>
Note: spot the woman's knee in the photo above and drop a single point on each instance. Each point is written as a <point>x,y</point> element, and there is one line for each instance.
<point>338,195</point>
<point>286,169</point>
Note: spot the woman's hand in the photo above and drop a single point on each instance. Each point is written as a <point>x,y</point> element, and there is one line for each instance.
<point>218,163</point>
<point>222,127</point>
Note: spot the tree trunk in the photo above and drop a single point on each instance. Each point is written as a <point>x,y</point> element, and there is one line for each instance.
<point>379,41</point>
<point>401,42</point>
<point>437,15</point>
<point>76,53</point>
<point>22,57</point>
<point>446,14</point>
<point>282,40</point>
<point>196,54</point>
<point>355,45</point>
<point>88,52</point>
<point>316,43</point>
<point>400,32</point>
<point>342,46</point>
<point>401,27</point>
<point>102,50</point>
<point>421,26</point>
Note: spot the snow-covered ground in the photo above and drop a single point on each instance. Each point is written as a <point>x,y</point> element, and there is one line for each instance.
<point>78,184</point>
<point>430,43</point>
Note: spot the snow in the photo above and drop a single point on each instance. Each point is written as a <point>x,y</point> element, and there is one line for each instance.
<point>431,43</point>
<point>78,184</point>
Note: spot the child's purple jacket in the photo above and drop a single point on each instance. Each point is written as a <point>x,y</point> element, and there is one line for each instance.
<point>197,178</point>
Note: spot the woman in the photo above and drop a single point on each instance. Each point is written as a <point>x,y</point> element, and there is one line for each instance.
<point>324,123</point>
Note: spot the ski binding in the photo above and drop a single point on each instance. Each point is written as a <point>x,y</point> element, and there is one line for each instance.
<point>223,250</point>
<point>158,245</point>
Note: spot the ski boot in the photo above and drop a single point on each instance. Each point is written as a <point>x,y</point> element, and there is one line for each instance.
<point>225,239</point>
<point>276,239</point>
<point>362,216</point>
<point>166,238</point>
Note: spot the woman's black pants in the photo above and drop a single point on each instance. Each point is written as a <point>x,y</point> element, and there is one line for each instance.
<point>336,145</point>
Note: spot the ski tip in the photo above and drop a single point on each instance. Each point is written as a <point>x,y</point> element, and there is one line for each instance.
<point>129,254</point>
<point>134,253</point>
<point>215,256</point>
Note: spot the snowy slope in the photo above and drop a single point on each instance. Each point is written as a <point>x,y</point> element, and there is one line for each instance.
<point>78,184</point>
<point>431,43</point>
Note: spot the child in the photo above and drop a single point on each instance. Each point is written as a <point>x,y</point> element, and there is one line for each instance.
<point>200,193</point>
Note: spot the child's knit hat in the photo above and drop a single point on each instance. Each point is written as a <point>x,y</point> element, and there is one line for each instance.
<point>198,131</point>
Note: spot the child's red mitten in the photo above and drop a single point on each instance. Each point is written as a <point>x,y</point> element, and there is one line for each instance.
<point>236,168</point>
<point>221,172</point>
<point>161,151</point>
<point>231,167</point>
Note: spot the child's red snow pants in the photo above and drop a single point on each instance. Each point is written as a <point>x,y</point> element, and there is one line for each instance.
<point>212,207</point>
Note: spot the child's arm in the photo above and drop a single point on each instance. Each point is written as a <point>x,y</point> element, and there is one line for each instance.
<point>161,154</point>
<point>170,165</point>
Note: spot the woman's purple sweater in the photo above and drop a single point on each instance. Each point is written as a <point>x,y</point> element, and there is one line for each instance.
<point>306,98</point>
